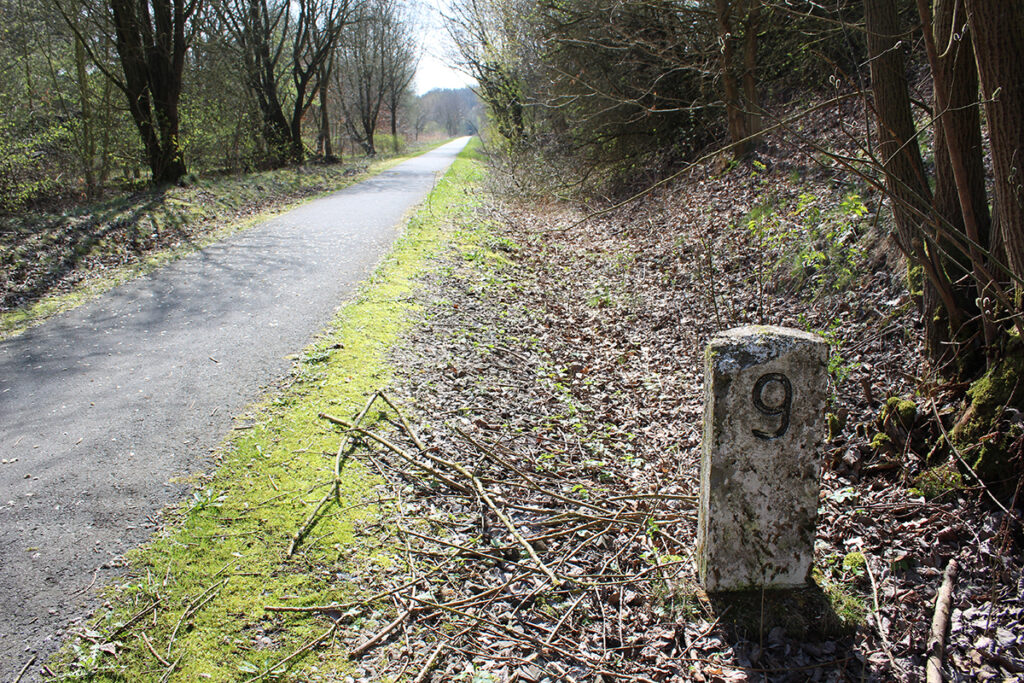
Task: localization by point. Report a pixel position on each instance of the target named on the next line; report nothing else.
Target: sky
(435, 70)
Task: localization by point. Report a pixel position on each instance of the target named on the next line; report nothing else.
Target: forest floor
(530, 514)
(53, 258)
(560, 372)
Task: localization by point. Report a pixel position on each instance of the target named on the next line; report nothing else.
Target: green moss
(987, 444)
(839, 582)
(994, 390)
(901, 409)
(937, 481)
(221, 559)
(915, 280)
(836, 425)
(881, 442)
(854, 562)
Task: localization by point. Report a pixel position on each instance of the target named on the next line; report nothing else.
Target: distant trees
(497, 43)
(455, 112)
(96, 91)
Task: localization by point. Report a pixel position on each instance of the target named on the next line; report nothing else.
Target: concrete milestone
(765, 390)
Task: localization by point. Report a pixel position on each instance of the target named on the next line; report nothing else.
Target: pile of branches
(535, 573)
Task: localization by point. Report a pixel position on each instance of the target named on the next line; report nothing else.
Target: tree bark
(997, 28)
(88, 146)
(960, 202)
(324, 136)
(736, 118)
(151, 45)
(906, 183)
(751, 102)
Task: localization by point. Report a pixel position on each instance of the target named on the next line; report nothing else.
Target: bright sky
(434, 70)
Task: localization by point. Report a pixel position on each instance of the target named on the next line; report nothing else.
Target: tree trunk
(737, 120)
(324, 136)
(296, 150)
(997, 28)
(277, 134)
(88, 146)
(108, 118)
(751, 102)
(960, 201)
(394, 123)
(906, 183)
(150, 41)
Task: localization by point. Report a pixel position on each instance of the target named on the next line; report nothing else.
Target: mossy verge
(209, 207)
(988, 440)
(198, 592)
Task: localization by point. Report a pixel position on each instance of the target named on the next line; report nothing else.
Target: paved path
(101, 407)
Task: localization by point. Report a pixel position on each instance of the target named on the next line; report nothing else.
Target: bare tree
(401, 57)
(372, 60)
(279, 39)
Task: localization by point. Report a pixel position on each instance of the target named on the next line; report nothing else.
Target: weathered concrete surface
(104, 408)
(765, 390)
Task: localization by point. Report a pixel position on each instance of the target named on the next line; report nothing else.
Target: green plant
(937, 481)
(855, 563)
(808, 241)
(837, 577)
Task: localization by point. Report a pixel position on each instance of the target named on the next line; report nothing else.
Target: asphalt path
(102, 408)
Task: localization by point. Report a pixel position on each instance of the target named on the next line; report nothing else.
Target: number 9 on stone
(781, 410)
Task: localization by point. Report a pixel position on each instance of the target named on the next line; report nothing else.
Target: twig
(171, 668)
(878, 619)
(137, 617)
(25, 668)
(401, 453)
(197, 604)
(95, 573)
(474, 552)
(940, 621)
(572, 607)
(335, 491)
(431, 660)
(310, 521)
(339, 457)
(149, 646)
(585, 656)
(383, 633)
(301, 651)
(350, 605)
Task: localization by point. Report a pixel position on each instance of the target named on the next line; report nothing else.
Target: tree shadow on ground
(39, 255)
(788, 635)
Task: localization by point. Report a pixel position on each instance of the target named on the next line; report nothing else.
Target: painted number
(780, 410)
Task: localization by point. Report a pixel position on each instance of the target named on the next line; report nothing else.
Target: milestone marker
(764, 402)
